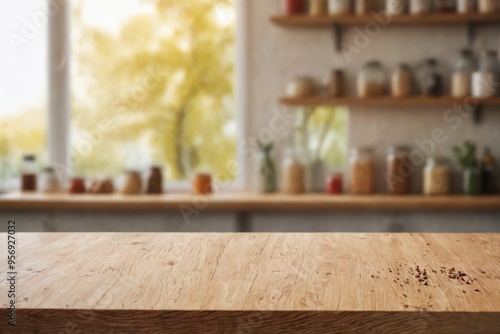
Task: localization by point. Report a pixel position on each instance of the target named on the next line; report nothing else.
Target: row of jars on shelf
(299, 177)
(395, 7)
(469, 78)
(48, 182)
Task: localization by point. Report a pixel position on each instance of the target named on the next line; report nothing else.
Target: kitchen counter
(247, 202)
(258, 283)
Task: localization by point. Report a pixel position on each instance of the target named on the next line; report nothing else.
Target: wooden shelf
(246, 202)
(349, 20)
(388, 101)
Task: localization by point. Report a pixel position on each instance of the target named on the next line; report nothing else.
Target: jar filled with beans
(362, 171)
(399, 170)
(437, 176)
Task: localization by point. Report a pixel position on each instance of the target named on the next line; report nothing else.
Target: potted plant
(466, 158)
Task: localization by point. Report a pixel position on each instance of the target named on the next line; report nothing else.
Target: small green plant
(466, 155)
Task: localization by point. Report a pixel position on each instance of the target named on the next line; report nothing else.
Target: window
(152, 83)
(23, 65)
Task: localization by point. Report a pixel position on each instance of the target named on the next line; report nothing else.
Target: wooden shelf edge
(305, 20)
(388, 101)
(247, 202)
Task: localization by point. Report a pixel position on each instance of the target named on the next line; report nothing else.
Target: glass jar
(396, 7)
(334, 184)
(340, 7)
(318, 7)
(419, 7)
(77, 186)
(402, 81)
(29, 171)
(202, 184)
(132, 184)
(488, 6)
(462, 74)
(399, 170)
(371, 80)
(446, 6)
(484, 80)
(365, 7)
(437, 176)
(102, 187)
(294, 174)
(430, 81)
(49, 183)
(266, 173)
(488, 169)
(155, 181)
(336, 84)
(466, 6)
(472, 181)
(294, 7)
(362, 172)
(301, 87)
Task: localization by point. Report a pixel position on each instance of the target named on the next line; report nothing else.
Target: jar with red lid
(294, 7)
(334, 184)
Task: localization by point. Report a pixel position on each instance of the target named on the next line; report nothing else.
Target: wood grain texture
(445, 101)
(254, 283)
(350, 20)
(188, 203)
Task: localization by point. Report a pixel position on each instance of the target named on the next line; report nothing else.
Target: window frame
(59, 101)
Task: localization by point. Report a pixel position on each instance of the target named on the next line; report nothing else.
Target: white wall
(277, 54)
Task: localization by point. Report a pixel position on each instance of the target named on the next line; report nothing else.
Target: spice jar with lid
(466, 6)
(29, 171)
(396, 7)
(155, 181)
(488, 6)
(336, 84)
(429, 79)
(371, 80)
(402, 81)
(318, 7)
(301, 87)
(437, 176)
(364, 7)
(294, 174)
(132, 184)
(49, 183)
(446, 6)
(484, 80)
(420, 7)
(362, 171)
(294, 7)
(462, 74)
(340, 7)
(399, 170)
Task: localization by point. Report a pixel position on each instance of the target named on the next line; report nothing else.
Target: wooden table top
(217, 282)
(243, 201)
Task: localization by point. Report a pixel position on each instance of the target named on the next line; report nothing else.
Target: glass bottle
(266, 169)
(340, 7)
(461, 80)
(294, 174)
(362, 171)
(446, 6)
(437, 176)
(371, 80)
(336, 84)
(488, 173)
(402, 81)
(29, 171)
(484, 80)
(399, 170)
(419, 7)
(155, 181)
(430, 81)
